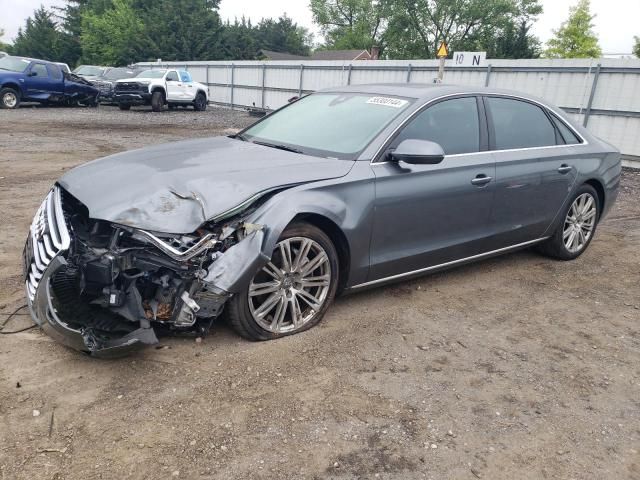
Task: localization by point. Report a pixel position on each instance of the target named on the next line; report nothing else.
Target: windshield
(14, 64)
(89, 71)
(119, 73)
(337, 125)
(151, 74)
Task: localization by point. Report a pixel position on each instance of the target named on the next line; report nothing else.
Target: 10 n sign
(469, 59)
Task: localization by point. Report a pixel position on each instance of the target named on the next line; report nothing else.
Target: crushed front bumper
(43, 256)
(44, 314)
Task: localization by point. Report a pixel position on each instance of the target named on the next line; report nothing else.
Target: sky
(616, 22)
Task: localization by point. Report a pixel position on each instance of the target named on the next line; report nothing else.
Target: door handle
(564, 168)
(481, 180)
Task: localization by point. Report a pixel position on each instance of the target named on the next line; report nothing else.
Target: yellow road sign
(443, 51)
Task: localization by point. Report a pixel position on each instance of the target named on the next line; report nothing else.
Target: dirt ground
(515, 368)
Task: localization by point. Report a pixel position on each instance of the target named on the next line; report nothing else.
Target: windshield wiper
(278, 146)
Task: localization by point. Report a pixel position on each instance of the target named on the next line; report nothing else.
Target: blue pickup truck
(29, 80)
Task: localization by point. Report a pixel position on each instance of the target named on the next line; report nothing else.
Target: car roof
(48, 62)
(29, 59)
(426, 91)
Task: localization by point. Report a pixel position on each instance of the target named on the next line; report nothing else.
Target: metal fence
(603, 94)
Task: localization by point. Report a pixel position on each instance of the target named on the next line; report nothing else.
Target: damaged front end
(107, 289)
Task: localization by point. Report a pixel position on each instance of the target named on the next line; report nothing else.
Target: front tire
(574, 234)
(9, 98)
(157, 101)
(293, 291)
(200, 102)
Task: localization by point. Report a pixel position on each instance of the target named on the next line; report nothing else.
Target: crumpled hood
(175, 187)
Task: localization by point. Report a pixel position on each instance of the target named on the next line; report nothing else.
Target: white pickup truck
(159, 88)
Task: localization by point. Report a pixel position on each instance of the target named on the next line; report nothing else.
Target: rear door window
(519, 124)
(55, 72)
(453, 124)
(185, 76)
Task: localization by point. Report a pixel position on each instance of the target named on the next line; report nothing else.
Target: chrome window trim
(446, 264)
(475, 94)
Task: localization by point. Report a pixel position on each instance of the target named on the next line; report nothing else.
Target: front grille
(48, 237)
(128, 87)
(105, 88)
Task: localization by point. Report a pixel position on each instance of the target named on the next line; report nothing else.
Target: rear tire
(157, 101)
(299, 297)
(9, 98)
(200, 102)
(124, 106)
(575, 231)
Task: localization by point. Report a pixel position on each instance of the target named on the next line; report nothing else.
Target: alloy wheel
(579, 223)
(292, 288)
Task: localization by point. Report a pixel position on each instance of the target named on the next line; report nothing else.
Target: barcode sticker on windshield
(388, 102)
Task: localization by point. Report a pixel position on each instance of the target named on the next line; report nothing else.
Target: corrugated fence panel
(274, 99)
(283, 77)
(623, 132)
(359, 77)
(622, 92)
(613, 113)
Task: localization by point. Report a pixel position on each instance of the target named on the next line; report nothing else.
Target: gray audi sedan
(341, 190)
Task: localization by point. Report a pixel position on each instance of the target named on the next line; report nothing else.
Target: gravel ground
(516, 367)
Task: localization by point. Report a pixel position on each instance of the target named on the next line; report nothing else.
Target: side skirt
(444, 266)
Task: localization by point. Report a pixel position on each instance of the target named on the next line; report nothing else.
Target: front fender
(280, 211)
(347, 202)
(235, 269)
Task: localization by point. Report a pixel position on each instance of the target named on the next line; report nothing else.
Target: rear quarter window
(566, 133)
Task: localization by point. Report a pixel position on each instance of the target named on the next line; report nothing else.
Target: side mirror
(418, 152)
(33, 74)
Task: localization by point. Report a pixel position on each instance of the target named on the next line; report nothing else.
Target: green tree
(114, 36)
(350, 24)
(282, 35)
(40, 38)
(181, 29)
(636, 47)
(69, 19)
(238, 41)
(512, 37)
(125, 31)
(575, 38)
(417, 27)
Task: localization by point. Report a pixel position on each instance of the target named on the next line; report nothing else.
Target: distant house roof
(341, 55)
(270, 55)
